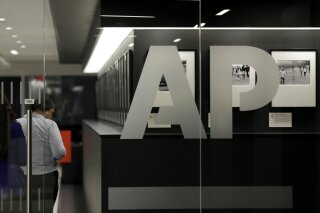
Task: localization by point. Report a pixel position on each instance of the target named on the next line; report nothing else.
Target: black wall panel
(305, 119)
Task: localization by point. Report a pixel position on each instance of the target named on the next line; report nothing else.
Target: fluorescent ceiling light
(8, 28)
(14, 36)
(264, 28)
(177, 40)
(2, 19)
(223, 12)
(225, 28)
(157, 28)
(125, 16)
(18, 42)
(23, 46)
(14, 52)
(107, 43)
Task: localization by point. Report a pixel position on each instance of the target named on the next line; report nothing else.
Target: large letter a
(163, 60)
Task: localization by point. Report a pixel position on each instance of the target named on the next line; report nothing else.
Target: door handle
(29, 160)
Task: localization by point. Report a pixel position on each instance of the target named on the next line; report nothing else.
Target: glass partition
(249, 67)
(269, 162)
(159, 106)
(22, 53)
(147, 56)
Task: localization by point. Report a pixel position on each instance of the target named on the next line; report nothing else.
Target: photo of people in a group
(240, 74)
(294, 71)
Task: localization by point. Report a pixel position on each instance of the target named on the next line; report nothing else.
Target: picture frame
(297, 77)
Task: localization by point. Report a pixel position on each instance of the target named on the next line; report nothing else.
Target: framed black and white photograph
(243, 80)
(294, 72)
(297, 78)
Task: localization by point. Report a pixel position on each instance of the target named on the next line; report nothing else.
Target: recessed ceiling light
(131, 45)
(18, 42)
(14, 52)
(202, 25)
(177, 40)
(14, 36)
(8, 28)
(223, 12)
(23, 46)
(2, 19)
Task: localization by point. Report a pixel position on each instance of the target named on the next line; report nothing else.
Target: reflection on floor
(72, 199)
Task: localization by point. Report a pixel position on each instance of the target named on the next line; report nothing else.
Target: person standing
(293, 73)
(246, 68)
(301, 71)
(47, 148)
(283, 73)
(304, 72)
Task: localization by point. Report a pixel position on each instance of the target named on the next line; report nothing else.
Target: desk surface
(109, 129)
(104, 128)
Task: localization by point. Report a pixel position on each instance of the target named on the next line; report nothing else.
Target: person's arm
(21, 151)
(55, 141)
(17, 151)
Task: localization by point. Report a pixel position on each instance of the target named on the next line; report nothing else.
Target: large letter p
(221, 60)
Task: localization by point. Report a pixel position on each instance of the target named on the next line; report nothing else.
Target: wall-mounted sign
(280, 120)
(28, 101)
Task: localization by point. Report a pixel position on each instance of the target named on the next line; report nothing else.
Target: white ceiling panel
(31, 21)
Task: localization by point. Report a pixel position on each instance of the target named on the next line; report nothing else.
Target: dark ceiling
(184, 13)
(73, 22)
(76, 20)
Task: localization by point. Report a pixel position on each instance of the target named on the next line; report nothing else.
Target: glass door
(26, 156)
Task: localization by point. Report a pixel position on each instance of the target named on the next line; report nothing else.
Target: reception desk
(165, 172)
(155, 162)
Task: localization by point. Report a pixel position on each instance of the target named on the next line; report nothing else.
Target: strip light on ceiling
(107, 43)
(223, 12)
(264, 28)
(125, 16)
